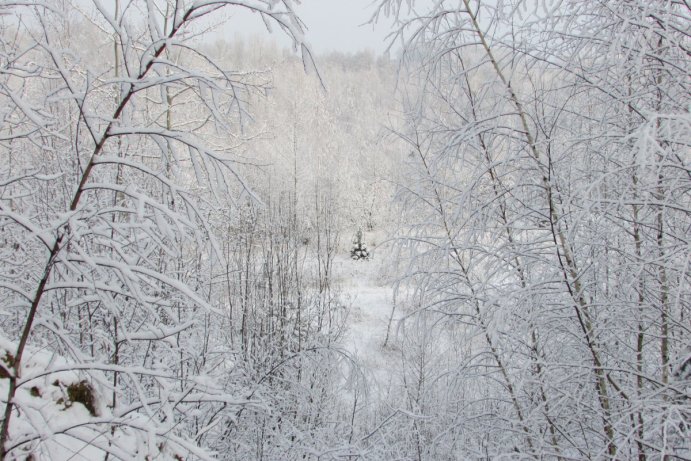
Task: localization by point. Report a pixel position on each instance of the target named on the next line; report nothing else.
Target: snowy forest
(476, 245)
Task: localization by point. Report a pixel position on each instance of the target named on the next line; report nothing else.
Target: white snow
(50, 426)
(371, 301)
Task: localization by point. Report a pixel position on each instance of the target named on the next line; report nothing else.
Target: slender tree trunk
(458, 259)
(562, 246)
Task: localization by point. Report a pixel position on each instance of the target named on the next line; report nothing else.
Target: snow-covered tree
(115, 153)
(359, 249)
(546, 207)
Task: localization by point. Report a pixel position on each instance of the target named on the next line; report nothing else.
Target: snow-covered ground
(63, 414)
(370, 300)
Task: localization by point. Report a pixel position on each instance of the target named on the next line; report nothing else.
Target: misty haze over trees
(476, 247)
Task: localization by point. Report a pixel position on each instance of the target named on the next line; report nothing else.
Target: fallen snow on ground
(62, 414)
(370, 301)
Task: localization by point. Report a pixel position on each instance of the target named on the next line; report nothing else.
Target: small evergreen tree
(359, 250)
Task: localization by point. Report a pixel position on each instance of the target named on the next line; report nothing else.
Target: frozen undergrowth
(62, 414)
(370, 298)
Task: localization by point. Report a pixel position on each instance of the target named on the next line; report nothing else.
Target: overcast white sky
(333, 25)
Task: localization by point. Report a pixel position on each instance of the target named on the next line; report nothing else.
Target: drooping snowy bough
(117, 143)
(547, 202)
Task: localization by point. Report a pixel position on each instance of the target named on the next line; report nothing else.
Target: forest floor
(369, 299)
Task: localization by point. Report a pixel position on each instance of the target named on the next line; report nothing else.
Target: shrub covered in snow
(60, 413)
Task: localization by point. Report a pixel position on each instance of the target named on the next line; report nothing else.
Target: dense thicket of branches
(172, 212)
(547, 202)
(151, 244)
